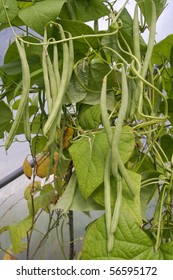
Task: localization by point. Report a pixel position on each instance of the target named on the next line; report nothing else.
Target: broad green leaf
(84, 10)
(24, 4)
(89, 116)
(12, 54)
(5, 113)
(8, 7)
(130, 214)
(131, 243)
(166, 142)
(78, 203)
(94, 99)
(97, 71)
(18, 231)
(41, 13)
(98, 194)
(162, 50)
(14, 22)
(37, 124)
(12, 68)
(38, 144)
(77, 28)
(145, 6)
(131, 205)
(75, 92)
(94, 149)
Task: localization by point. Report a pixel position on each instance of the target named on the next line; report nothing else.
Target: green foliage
(40, 14)
(94, 149)
(96, 110)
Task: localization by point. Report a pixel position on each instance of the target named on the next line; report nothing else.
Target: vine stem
(71, 235)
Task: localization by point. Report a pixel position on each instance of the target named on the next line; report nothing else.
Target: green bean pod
(116, 213)
(56, 65)
(26, 123)
(107, 199)
(46, 75)
(150, 41)
(52, 79)
(119, 124)
(104, 113)
(136, 39)
(25, 93)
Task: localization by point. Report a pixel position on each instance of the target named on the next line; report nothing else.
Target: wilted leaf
(43, 164)
(27, 169)
(42, 201)
(42, 167)
(33, 188)
(68, 136)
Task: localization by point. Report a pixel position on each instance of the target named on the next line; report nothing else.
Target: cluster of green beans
(139, 68)
(55, 82)
(140, 72)
(23, 105)
(114, 164)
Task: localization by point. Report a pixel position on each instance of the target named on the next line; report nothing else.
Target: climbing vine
(95, 109)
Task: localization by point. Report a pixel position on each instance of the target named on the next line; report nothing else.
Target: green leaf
(12, 54)
(5, 113)
(18, 231)
(166, 142)
(24, 4)
(94, 149)
(94, 99)
(43, 200)
(131, 243)
(78, 203)
(98, 194)
(38, 144)
(39, 14)
(127, 232)
(8, 10)
(12, 68)
(74, 92)
(77, 28)
(145, 6)
(84, 10)
(97, 71)
(89, 116)
(162, 50)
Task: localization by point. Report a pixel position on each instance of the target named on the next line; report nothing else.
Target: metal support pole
(14, 175)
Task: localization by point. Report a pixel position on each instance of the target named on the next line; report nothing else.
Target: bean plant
(95, 107)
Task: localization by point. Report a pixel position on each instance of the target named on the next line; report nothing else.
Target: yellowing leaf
(43, 162)
(68, 135)
(27, 169)
(56, 162)
(42, 168)
(32, 189)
